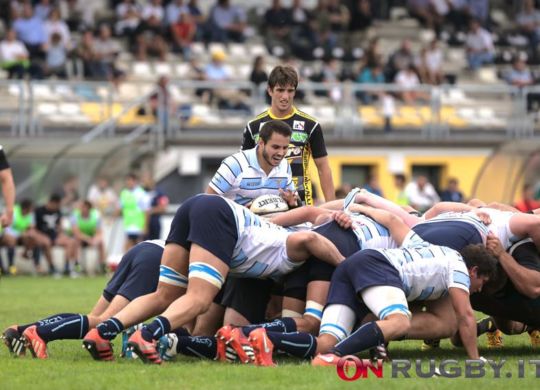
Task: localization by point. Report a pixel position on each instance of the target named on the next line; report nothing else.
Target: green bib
(21, 222)
(87, 225)
(132, 214)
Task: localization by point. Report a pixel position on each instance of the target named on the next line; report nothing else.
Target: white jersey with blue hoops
(241, 178)
(427, 270)
(260, 251)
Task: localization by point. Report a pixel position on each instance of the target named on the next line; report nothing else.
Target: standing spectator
(421, 194)
(183, 33)
(128, 19)
(307, 137)
(226, 22)
(479, 46)
(452, 192)
(527, 202)
(87, 230)
(158, 206)
(134, 204)
(14, 56)
(55, 25)
(31, 31)
(103, 197)
(8, 190)
(173, 11)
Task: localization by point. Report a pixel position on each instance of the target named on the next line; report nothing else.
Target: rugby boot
(34, 343)
(494, 339)
(97, 346)
(14, 341)
(145, 350)
(262, 347)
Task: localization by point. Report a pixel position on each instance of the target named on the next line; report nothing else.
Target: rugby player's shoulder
(262, 115)
(306, 116)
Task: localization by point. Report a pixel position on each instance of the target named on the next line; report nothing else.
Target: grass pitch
(26, 299)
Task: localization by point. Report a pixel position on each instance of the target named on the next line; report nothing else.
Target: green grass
(24, 299)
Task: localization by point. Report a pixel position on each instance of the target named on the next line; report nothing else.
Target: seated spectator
(258, 74)
(452, 192)
(150, 37)
(401, 59)
(13, 56)
(173, 11)
(421, 194)
(330, 74)
(226, 22)
(86, 225)
(361, 19)
(277, 24)
(458, 14)
(431, 61)
(93, 68)
(322, 27)
(370, 75)
(55, 25)
(373, 55)
(183, 32)
(103, 196)
(55, 63)
(479, 10)
(128, 18)
(528, 21)
(78, 14)
(339, 17)
(424, 12)
(106, 49)
(198, 17)
(408, 80)
(303, 34)
(527, 202)
(31, 31)
(479, 46)
(521, 76)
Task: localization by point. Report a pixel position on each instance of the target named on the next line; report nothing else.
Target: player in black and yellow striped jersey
(307, 138)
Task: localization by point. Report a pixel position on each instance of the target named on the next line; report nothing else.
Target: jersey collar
(294, 111)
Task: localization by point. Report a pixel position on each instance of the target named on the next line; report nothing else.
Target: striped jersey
(306, 141)
(427, 270)
(241, 178)
(260, 251)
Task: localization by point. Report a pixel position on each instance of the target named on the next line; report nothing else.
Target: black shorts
(364, 269)
(512, 306)
(208, 221)
(453, 234)
(248, 297)
(137, 274)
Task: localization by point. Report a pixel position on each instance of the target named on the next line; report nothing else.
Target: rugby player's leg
(438, 321)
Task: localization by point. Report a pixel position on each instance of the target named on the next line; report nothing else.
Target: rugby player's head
(26, 205)
(274, 139)
(274, 126)
(283, 76)
(86, 206)
(54, 202)
(482, 265)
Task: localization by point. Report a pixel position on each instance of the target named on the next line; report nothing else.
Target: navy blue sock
(11, 256)
(157, 328)
(74, 327)
(180, 332)
(198, 346)
(299, 344)
(367, 336)
(46, 321)
(283, 325)
(110, 328)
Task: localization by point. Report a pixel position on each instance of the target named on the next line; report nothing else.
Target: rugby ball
(267, 204)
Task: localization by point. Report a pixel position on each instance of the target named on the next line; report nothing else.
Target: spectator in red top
(183, 33)
(527, 202)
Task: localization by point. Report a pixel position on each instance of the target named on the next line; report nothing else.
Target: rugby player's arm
(502, 207)
(444, 207)
(8, 191)
(300, 215)
(398, 229)
(466, 321)
(210, 190)
(325, 178)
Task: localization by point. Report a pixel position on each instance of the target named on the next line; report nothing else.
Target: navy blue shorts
(316, 270)
(364, 269)
(137, 274)
(248, 297)
(208, 221)
(453, 234)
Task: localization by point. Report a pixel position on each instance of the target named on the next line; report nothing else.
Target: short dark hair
(283, 75)
(477, 255)
(274, 126)
(26, 204)
(55, 198)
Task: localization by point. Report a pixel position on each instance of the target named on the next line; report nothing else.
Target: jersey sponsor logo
(294, 152)
(250, 183)
(299, 125)
(297, 136)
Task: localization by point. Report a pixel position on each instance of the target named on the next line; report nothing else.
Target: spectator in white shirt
(421, 194)
(432, 63)
(173, 11)
(13, 56)
(128, 15)
(528, 21)
(408, 80)
(55, 25)
(479, 46)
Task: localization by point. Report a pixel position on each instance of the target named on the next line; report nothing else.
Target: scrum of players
(346, 277)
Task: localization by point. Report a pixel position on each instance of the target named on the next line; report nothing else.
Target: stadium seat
(238, 50)
(69, 108)
(182, 70)
(162, 69)
(142, 70)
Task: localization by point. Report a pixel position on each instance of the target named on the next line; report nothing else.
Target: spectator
(173, 11)
(361, 18)
(408, 81)
(258, 74)
(14, 56)
(106, 50)
(78, 14)
(399, 184)
(339, 16)
(521, 76)
(452, 192)
(134, 204)
(458, 14)
(370, 75)
(69, 193)
(373, 55)
(303, 34)
(424, 12)
(527, 202)
(158, 206)
(479, 10)
(343, 190)
(183, 32)
(277, 24)
(330, 75)
(528, 21)
(31, 31)
(400, 60)
(198, 17)
(103, 197)
(87, 229)
(128, 15)
(226, 22)
(55, 25)
(372, 185)
(421, 194)
(325, 37)
(93, 68)
(479, 46)
(431, 64)
(55, 63)
(149, 40)
(43, 9)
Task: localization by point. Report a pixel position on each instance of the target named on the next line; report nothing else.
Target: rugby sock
(485, 325)
(157, 328)
(299, 344)
(46, 321)
(367, 336)
(110, 328)
(11, 256)
(283, 325)
(198, 346)
(181, 332)
(74, 327)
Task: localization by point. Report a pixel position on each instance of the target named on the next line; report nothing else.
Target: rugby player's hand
(493, 244)
(343, 219)
(291, 197)
(483, 216)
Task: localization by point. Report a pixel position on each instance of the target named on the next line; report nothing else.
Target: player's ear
(473, 271)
